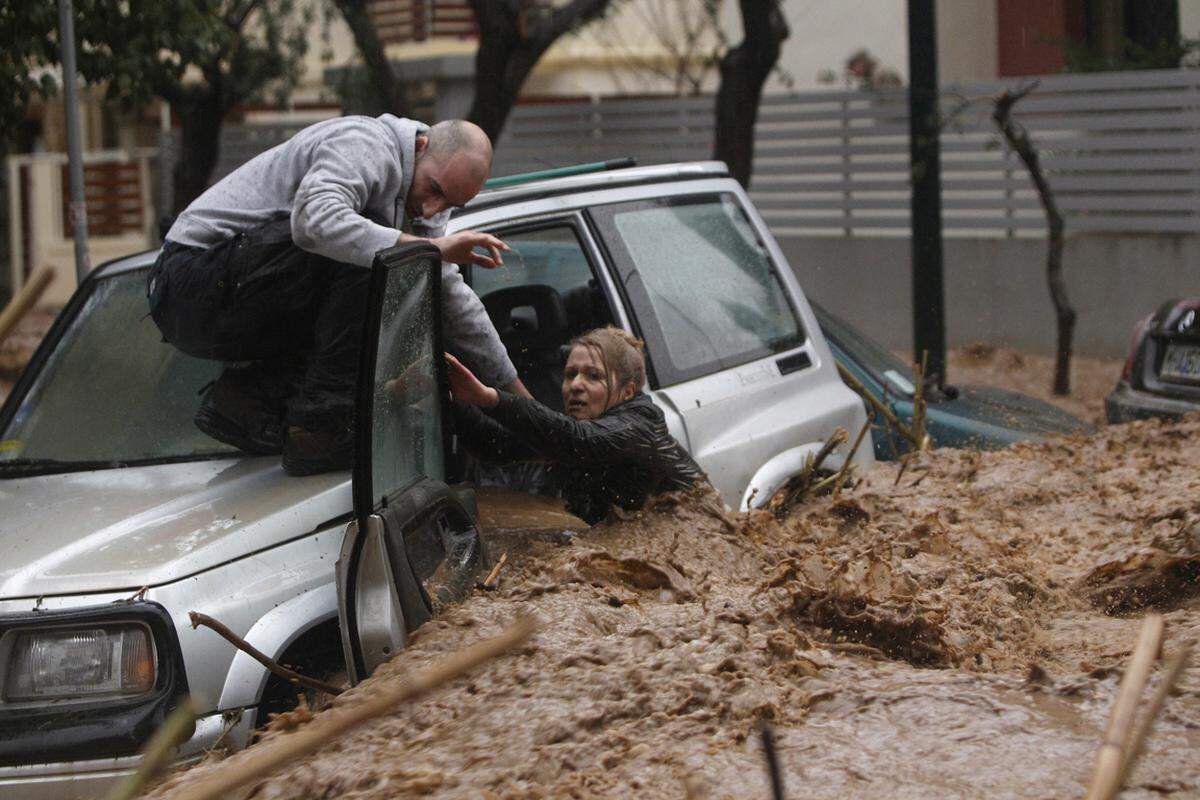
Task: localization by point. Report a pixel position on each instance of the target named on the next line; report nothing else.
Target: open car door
(414, 543)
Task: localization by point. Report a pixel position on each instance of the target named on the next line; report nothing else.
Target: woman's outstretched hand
(466, 388)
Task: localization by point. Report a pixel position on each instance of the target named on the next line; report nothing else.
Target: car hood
(1025, 416)
(117, 529)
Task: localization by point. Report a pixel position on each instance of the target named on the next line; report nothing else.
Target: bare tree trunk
(513, 36)
(744, 70)
(201, 113)
(499, 41)
(1018, 138)
(1110, 21)
(387, 90)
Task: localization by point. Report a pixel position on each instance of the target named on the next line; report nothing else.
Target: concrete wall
(996, 288)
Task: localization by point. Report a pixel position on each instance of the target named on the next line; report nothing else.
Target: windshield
(890, 372)
(112, 392)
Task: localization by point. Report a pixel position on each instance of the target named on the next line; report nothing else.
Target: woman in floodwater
(611, 447)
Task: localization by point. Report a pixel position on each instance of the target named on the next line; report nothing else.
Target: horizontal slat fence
(654, 130)
(1121, 152)
(114, 194)
(403, 21)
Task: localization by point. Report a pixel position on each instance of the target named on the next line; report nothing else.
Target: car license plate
(1182, 363)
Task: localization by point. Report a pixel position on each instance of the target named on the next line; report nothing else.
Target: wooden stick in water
(494, 576)
(774, 771)
(919, 405)
(1115, 747)
(291, 676)
(266, 757)
(1146, 724)
(174, 731)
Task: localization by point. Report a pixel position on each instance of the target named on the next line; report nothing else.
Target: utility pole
(66, 40)
(924, 125)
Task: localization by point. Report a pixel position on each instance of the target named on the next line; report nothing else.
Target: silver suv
(118, 517)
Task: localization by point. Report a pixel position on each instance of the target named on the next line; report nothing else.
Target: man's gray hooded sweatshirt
(345, 182)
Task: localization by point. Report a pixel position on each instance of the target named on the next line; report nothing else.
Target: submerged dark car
(1161, 377)
(969, 416)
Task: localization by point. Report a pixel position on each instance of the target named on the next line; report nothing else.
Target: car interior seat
(533, 325)
(586, 309)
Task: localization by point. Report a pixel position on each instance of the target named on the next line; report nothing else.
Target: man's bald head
(459, 136)
(454, 159)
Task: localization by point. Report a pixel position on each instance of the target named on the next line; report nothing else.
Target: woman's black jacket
(619, 458)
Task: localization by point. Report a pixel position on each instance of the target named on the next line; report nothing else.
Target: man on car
(270, 266)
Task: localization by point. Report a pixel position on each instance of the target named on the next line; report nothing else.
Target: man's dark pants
(258, 297)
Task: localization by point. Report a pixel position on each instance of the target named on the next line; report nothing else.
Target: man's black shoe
(309, 452)
(234, 410)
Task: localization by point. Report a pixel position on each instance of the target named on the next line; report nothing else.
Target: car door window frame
(363, 478)
(408, 530)
(629, 282)
(597, 257)
(572, 222)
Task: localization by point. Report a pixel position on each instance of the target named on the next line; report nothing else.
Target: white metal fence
(1121, 151)
(652, 130)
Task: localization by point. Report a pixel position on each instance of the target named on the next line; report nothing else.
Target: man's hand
(459, 248)
(466, 388)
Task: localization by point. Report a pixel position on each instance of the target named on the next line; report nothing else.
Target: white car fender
(772, 475)
(272, 634)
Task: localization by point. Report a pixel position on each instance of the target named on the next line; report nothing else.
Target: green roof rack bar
(559, 172)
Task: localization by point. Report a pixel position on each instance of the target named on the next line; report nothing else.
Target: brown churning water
(957, 635)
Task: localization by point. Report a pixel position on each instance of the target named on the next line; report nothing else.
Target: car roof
(658, 173)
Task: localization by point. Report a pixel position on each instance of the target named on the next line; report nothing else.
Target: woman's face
(585, 387)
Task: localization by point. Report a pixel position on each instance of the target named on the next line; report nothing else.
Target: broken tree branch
(266, 757)
(800, 484)
(856, 385)
(1018, 139)
(296, 678)
(847, 467)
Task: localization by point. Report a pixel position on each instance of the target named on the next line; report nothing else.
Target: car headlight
(80, 662)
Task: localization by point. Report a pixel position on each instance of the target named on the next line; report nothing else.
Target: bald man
(271, 266)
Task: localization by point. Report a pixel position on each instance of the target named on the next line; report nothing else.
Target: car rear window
(703, 285)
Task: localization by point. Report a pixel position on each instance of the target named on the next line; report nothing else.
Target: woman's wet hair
(621, 353)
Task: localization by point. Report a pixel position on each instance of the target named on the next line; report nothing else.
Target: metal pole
(66, 39)
(929, 328)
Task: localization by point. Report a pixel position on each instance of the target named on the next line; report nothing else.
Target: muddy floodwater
(958, 633)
